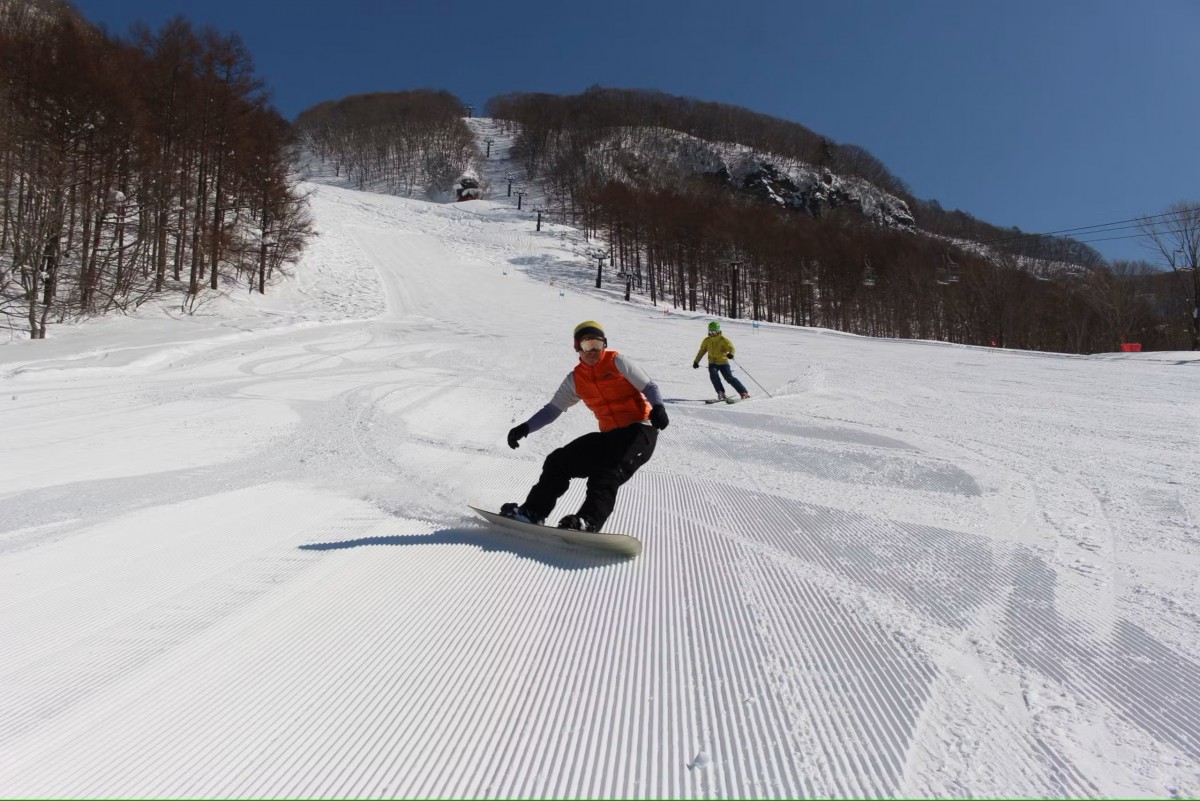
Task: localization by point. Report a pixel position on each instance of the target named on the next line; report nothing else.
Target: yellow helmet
(589, 328)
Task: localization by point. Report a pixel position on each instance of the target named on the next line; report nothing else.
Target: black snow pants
(607, 459)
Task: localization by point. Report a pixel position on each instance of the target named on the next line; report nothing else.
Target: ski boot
(517, 512)
(575, 523)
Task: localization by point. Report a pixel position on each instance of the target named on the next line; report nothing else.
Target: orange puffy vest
(615, 402)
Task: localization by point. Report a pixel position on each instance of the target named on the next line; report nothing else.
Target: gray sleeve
(637, 376)
(543, 417)
(652, 394)
(564, 398)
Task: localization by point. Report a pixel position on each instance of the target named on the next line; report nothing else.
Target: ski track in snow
(238, 563)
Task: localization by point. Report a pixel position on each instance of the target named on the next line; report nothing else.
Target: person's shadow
(524, 546)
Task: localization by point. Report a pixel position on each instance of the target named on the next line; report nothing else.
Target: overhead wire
(1111, 238)
(1098, 228)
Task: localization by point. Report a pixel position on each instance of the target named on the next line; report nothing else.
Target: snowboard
(622, 544)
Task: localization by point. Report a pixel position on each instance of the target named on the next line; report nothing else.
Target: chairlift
(948, 272)
(869, 277)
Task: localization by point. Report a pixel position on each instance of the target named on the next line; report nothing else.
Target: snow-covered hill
(662, 157)
(235, 556)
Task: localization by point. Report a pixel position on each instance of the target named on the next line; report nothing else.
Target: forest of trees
(543, 117)
(556, 132)
(130, 168)
(698, 245)
(702, 252)
(392, 141)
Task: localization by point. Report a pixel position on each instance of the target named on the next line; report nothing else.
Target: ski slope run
(236, 558)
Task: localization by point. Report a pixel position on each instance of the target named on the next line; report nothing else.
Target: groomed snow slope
(236, 560)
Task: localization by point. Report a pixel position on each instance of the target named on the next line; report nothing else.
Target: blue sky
(1044, 115)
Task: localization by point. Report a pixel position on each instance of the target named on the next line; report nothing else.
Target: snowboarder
(629, 408)
(720, 351)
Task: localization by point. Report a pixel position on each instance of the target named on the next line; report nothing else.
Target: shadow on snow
(552, 554)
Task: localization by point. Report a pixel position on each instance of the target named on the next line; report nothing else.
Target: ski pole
(742, 367)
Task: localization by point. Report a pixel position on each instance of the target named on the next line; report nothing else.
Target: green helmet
(714, 327)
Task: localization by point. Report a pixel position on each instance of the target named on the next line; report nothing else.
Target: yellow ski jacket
(718, 347)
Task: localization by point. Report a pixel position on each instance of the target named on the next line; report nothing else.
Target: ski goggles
(591, 343)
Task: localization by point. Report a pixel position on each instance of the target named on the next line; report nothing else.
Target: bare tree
(1175, 235)
(1118, 293)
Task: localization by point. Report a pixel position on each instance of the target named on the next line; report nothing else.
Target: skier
(629, 408)
(720, 351)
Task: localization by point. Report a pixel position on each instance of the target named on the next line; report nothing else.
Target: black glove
(730, 355)
(516, 434)
(695, 365)
(658, 416)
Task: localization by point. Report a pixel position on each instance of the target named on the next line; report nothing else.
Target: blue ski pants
(715, 371)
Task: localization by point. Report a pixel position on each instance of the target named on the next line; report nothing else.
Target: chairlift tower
(733, 288)
(1192, 301)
